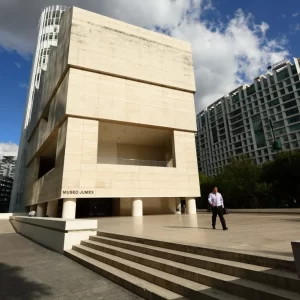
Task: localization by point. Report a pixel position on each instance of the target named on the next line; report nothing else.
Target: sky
(233, 41)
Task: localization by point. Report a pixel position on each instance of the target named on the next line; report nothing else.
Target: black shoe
(214, 227)
(225, 228)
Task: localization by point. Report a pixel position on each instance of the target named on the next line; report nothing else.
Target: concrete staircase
(163, 270)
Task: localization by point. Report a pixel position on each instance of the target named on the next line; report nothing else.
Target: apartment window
(278, 124)
(290, 104)
(283, 75)
(285, 138)
(292, 111)
(293, 119)
(293, 136)
(294, 127)
(288, 82)
(288, 97)
(274, 102)
(282, 92)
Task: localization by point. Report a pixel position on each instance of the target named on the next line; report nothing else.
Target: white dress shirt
(215, 199)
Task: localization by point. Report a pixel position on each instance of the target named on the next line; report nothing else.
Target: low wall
(6, 216)
(56, 234)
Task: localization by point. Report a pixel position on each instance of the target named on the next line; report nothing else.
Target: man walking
(216, 201)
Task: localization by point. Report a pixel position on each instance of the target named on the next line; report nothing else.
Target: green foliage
(240, 182)
(283, 176)
(245, 184)
(206, 185)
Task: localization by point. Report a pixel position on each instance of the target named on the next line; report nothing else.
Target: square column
(69, 209)
(137, 207)
(178, 206)
(52, 209)
(191, 206)
(41, 210)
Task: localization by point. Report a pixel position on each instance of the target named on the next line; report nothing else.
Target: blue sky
(283, 18)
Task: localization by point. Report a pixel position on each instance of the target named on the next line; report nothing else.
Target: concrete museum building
(113, 123)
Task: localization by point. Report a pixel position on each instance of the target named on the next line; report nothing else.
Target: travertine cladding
(110, 98)
(109, 71)
(100, 44)
(49, 186)
(114, 47)
(108, 180)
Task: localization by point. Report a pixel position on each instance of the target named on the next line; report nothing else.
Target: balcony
(136, 162)
(122, 144)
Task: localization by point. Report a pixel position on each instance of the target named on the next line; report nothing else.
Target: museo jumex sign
(78, 192)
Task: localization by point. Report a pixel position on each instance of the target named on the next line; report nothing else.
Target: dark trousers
(218, 210)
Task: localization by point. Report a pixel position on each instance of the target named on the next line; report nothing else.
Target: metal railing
(135, 162)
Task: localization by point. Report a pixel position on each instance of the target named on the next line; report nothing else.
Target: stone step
(269, 261)
(278, 278)
(230, 284)
(187, 288)
(132, 283)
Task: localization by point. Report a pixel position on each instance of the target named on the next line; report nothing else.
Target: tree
(206, 185)
(240, 183)
(283, 175)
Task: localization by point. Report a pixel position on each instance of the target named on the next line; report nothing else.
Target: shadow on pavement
(15, 286)
(208, 228)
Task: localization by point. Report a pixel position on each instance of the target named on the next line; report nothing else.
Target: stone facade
(114, 118)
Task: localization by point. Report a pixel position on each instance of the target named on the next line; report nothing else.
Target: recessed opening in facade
(97, 207)
(47, 158)
(135, 145)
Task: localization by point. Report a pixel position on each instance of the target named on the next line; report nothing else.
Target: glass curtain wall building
(241, 122)
(48, 30)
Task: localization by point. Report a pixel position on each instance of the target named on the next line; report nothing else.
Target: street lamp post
(276, 143)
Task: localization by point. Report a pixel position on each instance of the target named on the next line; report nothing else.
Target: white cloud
(297, 27)
(296, 14)
(23, 85)
(283, 16)
(17, 65)
(225, 54)
(8, 149)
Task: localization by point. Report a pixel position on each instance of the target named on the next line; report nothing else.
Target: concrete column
(178, 206)
(190, 206)
(41, 210)
(137, 207)
(52, 209)
(69, 209)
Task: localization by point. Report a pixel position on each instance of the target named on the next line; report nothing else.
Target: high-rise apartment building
(112, 130)
(7, 166)
(48, 30)
(243, 122)
(5, 191)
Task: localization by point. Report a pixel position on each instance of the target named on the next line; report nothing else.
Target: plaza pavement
(31, 272)
(260, 234)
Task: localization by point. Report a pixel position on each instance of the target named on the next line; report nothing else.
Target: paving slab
(260, 234)
(6, 227)
(31, 272)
